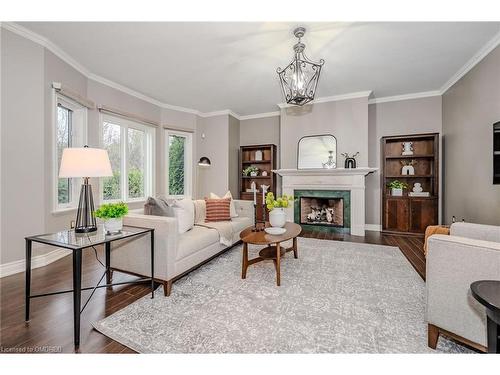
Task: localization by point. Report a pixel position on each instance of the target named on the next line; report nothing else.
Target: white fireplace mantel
(352, 180)
(325, 172)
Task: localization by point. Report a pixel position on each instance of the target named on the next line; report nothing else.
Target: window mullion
(124, 171)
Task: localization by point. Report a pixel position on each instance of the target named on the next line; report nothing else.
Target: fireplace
(323, 210)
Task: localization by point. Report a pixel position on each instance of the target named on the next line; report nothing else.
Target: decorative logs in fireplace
(322, 211)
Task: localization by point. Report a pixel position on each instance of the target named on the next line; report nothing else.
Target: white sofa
(175, 254)
(471, 252)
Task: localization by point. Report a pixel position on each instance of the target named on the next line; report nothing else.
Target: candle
(264, 189)
(254, 188)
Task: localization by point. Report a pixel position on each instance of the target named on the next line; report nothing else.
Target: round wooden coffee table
(273, 249)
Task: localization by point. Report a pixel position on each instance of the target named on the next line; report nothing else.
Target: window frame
(149, 157)
(188, 163)
(79, 129)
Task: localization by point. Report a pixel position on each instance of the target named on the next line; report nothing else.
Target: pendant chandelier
(300, 78)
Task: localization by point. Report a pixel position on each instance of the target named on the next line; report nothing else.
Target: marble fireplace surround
(352, 180)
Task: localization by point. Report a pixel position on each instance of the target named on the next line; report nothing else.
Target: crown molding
(397, 98)
(223, 112)
(260, 115)
(481, 54)
(325, 99)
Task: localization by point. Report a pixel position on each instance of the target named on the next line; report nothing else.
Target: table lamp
(85, 162)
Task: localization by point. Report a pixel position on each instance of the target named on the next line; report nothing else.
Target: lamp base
(85, 219)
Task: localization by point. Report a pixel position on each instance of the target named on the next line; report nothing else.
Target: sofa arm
(453, 263)
(244, 208)
(133, 254)
(476, 231)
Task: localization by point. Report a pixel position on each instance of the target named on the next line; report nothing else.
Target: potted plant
(252, 171)
(397, 187)
(112, 214)
(276, 207)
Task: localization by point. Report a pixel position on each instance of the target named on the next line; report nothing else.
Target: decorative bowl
(275, 231)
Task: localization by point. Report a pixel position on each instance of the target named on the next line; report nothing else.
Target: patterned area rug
(338, 297)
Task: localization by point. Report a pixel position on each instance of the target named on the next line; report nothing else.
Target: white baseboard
(17, 266)
(373, 227)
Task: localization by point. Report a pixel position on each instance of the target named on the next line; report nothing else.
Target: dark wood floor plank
(51, 317)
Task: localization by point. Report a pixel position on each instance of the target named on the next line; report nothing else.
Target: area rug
(338, 297)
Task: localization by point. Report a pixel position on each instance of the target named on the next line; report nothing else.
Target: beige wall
(347, 120)
(258, 131)
(395, 118)
(233, 156)
(470, 107)
(22, 137)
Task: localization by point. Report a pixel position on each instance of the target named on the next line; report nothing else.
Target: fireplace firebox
(323, 210)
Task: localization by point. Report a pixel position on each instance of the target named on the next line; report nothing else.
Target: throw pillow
(232, 206)
(158, 207)
(184, 212)
(218, 209)
(200, 211)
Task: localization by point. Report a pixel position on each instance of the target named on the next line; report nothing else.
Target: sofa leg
(432, 336)
(167, 287)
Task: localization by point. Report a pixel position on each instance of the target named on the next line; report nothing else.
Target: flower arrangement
(111, 211)
(250, 170)
(278, 202)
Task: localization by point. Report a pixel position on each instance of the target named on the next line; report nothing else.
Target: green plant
(396, 184)
(278, 202)
(112, 211)
(249, 170)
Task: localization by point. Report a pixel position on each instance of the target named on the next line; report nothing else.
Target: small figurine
(408, 168)
(407, 148)
(350, 161)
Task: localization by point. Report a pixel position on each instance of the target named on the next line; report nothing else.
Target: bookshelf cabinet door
(423, 212)
(396, 215)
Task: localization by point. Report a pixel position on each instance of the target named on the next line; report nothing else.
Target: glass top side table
(77, 242)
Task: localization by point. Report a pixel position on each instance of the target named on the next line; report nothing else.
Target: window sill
(64, 211)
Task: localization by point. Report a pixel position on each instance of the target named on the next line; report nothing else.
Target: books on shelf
(419, 194)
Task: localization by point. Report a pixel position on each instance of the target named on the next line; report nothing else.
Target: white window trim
(149, 165)
(75, 193)
(188, 163)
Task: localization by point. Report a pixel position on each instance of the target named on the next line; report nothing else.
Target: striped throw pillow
(218, 209)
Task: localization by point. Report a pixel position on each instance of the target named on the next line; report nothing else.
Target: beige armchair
(471, 252)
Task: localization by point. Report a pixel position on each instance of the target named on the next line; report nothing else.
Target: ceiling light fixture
(300, 78)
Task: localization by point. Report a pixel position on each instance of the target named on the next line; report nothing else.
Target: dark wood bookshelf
(268, 163)
(408, 214)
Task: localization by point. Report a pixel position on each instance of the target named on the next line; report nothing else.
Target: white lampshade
(85, 162)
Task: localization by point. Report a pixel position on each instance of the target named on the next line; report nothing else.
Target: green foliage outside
(63, 190)
(135, 183)
(396, 184)
(112, 211)
(279, 202)
(176, 166)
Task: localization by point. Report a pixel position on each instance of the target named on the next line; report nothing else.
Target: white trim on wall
(260, 115)
(36, 38)
(373, 227)
(18, 266)
(481, 54)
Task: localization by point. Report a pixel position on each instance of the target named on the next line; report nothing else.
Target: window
(130, 147)
(70, 131)
(179, 163)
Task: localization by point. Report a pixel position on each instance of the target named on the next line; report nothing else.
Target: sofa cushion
(200, 211)
(218, 209)
(195, 240)
(184, 212)
(157, 207)
(232, 207)
(240, 223)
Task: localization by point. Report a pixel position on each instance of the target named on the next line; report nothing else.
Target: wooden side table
(487, 293)
(273, 249)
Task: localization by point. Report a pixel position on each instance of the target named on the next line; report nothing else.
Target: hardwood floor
(51, 325)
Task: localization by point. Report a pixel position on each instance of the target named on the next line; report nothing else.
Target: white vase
(397, 192)
(112, 226)
(277, 217)
(253, 174)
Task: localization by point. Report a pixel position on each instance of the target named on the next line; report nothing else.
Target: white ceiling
(216, 66)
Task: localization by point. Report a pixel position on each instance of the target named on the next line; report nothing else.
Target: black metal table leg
(108, 262)
(493, 335)
(152, 263)
(77, 293)
(28, 280)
